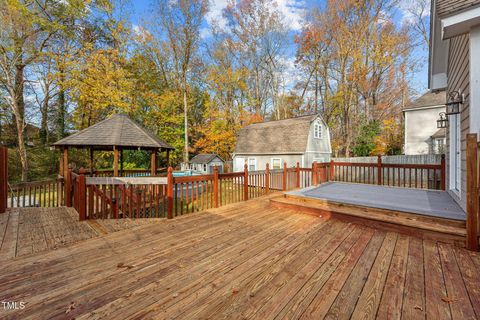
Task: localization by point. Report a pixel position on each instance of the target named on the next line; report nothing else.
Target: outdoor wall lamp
(442, 122)
(455, 99)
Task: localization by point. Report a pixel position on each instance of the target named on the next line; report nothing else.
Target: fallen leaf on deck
(123, 265)
(418, 308)
(448, 300)
(70, 307)
(234, 290)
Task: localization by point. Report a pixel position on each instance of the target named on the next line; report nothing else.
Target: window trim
(248, 163)
(317, 130)
(273, 165)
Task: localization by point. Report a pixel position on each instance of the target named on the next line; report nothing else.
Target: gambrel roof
(289, 136)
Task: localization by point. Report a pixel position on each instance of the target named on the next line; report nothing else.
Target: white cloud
(411, 9)
(290, 73)
(215, 13)
(140, 31)
(292, 10)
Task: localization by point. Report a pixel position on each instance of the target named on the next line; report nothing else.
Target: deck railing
(46, 193)
(473, 192)
(420, 176)
(98, 196)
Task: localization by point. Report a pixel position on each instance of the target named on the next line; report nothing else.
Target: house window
(317, 130)
(205, 167)
(252, 164)
(276, 163)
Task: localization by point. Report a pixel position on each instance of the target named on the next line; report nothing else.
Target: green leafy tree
(365, 141)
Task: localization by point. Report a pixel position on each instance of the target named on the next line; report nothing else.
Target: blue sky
(294, 11)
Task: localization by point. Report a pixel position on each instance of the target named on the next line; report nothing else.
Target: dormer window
(317, 130)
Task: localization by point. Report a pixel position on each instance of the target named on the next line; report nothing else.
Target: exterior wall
(458, 80)
(261, 160)
(319, 146)
(420, 125)
(305, 160)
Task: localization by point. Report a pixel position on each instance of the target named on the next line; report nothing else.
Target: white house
(302, 139)
(420, 119)
(455, 66)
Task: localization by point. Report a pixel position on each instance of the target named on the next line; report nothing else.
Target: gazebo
(115, 134)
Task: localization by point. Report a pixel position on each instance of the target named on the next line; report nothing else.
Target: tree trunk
(61, 109)
(44, 123)
(185, 113)
(19, 112)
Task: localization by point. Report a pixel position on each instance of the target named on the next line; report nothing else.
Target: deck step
(403, 222)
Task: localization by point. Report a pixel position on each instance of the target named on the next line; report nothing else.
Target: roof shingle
(275, 137)
(429, 99)
(119, 131)
(204, 158)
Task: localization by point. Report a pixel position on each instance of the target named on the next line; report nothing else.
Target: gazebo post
(91, 162)
(66, 178)
(153, 162)
(121, 162)
(61, 170)
(115, 161)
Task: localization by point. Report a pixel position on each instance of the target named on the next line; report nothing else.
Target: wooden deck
(25, 231)
(247, 260)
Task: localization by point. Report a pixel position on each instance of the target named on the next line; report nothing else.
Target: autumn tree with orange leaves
(357, 61)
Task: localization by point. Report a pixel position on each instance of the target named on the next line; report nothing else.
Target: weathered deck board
(247, 260)
(25, 231)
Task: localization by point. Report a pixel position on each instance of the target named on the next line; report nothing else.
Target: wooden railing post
(443, 173)
(284, 180)
(332, 171)
(68, 187)
(298, 175)
(314, 174)
(472, 192)
(245, 182)
(323, 169)
(379, 170)
(267, 178)
(90, 201)
(3, 179)
(170, 193)
(215, 186)
(82, 198)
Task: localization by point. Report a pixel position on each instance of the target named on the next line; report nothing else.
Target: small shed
(205, 162)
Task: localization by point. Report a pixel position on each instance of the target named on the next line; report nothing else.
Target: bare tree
(180, 22)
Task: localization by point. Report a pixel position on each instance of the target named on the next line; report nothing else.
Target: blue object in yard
(185, 173)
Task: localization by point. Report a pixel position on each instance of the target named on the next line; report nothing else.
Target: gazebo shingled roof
(116, 133)
(119, 131)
